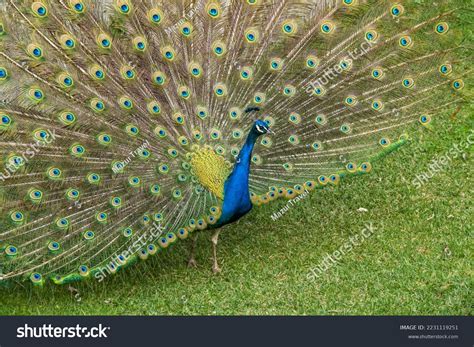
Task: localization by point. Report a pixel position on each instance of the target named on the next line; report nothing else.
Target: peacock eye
(155, 15)
(442, 28)
(397, 10)
(405, 41)
(289, 27)
(5, 121)
(39, 9)
(458, 84)
(252, 35)
(327, 27)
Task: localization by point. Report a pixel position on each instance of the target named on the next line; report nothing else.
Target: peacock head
(260, 127)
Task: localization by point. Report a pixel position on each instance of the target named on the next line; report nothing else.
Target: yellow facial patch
(211, 170)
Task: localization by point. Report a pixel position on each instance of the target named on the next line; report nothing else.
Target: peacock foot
(192, 263)
(216, 269)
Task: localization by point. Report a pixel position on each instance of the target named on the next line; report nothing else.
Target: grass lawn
(418, 261)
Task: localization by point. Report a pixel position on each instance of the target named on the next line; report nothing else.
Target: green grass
(417, 263)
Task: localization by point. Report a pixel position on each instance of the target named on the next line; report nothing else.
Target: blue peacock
(146, 122)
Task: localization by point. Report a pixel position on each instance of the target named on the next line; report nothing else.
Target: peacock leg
(192, 260)
(215, 267)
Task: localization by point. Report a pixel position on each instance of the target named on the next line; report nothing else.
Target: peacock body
(128, 125)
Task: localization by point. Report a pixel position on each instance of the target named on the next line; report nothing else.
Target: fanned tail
(352, 91)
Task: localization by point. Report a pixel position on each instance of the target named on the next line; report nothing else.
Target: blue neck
(245, 154)
(236, 188)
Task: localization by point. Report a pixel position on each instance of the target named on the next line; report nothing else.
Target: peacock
(127, 126)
